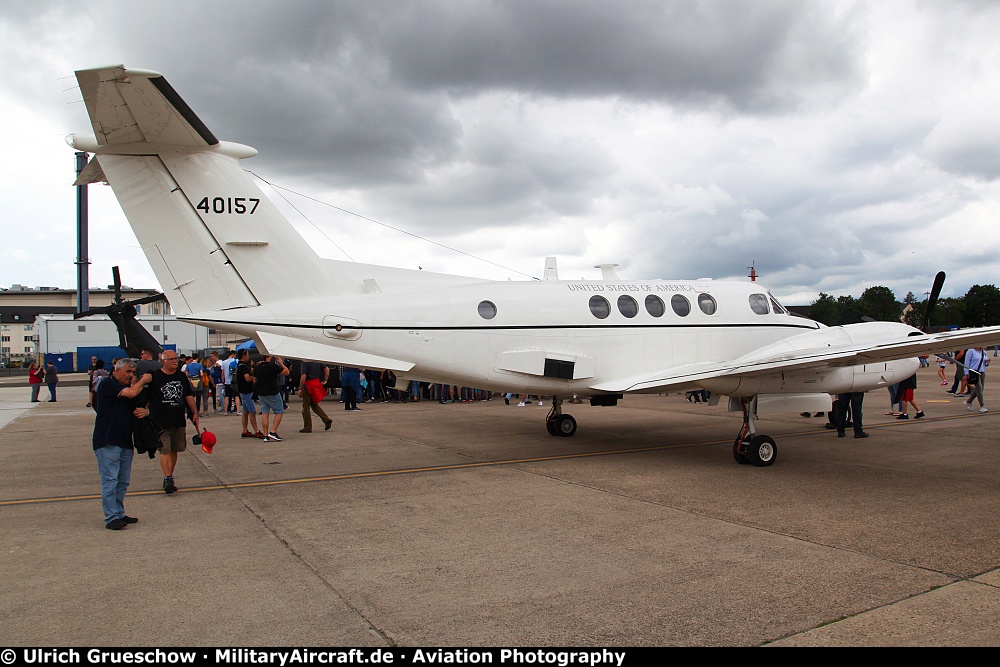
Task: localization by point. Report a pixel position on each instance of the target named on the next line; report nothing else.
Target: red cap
(208, 441)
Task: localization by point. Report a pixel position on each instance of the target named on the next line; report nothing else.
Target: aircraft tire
(550, 426)
(738, 454)
(762, 451)
(565, 426)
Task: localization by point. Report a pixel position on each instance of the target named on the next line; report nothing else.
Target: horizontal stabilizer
(295, 348)
(124, 111)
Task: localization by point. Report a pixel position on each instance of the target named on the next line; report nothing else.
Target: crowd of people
(145, 405)
(969, 381)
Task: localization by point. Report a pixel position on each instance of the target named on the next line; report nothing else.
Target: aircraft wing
(139, 106)
(296, 348)
(678, 378)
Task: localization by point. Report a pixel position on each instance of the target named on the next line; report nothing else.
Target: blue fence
(108, 353)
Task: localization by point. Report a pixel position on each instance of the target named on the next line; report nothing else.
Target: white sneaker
(521, 404)
(983, 409)
(969, 405)
(540, 403)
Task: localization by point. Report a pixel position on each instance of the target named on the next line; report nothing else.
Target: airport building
(38, 321)
(71, 343)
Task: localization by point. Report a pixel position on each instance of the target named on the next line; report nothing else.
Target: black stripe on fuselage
(510, 327)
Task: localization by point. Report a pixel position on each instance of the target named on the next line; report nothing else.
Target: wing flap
(295, 348)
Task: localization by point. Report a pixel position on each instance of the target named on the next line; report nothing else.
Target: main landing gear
(556, 423)
(749, 447)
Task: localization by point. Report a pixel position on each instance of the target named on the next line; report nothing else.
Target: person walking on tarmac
(313, 373)
(170, 397)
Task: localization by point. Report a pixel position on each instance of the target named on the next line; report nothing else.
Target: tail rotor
(132, 336)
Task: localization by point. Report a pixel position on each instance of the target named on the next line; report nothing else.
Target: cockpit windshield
(775, 306)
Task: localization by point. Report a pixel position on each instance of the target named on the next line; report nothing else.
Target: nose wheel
(750, 447)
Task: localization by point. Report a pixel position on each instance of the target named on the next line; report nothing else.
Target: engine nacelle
(828, 379)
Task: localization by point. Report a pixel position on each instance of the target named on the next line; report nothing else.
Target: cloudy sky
(835, 144)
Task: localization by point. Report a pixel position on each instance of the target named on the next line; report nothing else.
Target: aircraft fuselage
(554, 337)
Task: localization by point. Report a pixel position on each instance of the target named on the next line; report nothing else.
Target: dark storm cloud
(814, 138)
(362, 89)
(751, 56)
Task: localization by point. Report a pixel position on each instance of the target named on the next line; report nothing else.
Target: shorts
(907, 396)
(271, 404)
(247, 403)
(173, 440)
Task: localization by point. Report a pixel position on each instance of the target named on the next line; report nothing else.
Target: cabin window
(778, 308)
(758, 304)
(487, 310)
(707, 304)
(680, 304)
(627, 306)
(600, 307)
(654, 305)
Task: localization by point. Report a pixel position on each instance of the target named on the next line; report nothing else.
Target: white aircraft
(226, 258)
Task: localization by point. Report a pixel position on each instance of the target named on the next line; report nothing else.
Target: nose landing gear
(749, 447)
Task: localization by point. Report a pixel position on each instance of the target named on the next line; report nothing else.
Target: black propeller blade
(932, 300)
(132, 336)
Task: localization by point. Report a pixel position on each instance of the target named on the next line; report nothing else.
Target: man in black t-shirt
(245, 385)
(170, 397)
(267, 373)
(112, 439)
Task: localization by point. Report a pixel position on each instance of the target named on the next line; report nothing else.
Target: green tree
(915, 316)
(950, 311)
(849, 311)
(982, 306)
(879, 303)
(825, 309)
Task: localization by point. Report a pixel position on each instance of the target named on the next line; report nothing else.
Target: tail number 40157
(237, 205)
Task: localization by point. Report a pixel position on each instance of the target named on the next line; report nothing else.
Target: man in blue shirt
(976, 362)
(113, 439)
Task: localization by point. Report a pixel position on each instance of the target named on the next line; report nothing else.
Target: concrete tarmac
(467, 525)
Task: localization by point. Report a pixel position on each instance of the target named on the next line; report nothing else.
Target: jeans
(115, 466)
(52, 391)
(854, 399)
(34, 391)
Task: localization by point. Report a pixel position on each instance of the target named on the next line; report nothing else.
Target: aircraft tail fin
(212, 238)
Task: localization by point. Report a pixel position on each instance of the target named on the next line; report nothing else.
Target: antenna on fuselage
(551, 271)
(753, 271)
(607, 271)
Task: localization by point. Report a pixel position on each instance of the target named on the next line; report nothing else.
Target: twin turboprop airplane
(226, 258)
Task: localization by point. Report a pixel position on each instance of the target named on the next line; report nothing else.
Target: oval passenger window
(707, 304)
(600, 307)
(627, 306)
(654, 306)
(680, 304)
(487, 310)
